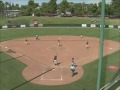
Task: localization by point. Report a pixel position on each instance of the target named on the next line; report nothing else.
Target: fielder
(55, 60)
(72, 68)
(26, 41)
(73, 62)
(59, 43)
(81, 35)
(87, 46)
(37, 37)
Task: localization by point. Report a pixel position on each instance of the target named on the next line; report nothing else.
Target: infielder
(59, 43)
(26, 41)
(37, 37)
(73, 62)
(55, 60)
(87, 46)
(81, 35)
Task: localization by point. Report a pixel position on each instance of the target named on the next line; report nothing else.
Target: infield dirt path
(38, 56)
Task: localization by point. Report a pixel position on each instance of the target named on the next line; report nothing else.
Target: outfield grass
(7, 34)
(58, 20)
(10, 71)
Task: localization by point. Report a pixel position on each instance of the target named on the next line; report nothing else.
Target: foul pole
(101, 45)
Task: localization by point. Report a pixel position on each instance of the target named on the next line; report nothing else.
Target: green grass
(7, 34)
(58, 20)
(10, 71)
(11, 76)
(114, 60)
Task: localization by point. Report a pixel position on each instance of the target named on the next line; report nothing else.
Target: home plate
(54, 75)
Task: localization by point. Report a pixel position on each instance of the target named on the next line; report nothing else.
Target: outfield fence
(59, 25)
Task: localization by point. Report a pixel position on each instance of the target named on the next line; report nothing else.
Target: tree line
(64, 8)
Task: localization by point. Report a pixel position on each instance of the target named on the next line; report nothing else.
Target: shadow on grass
(11, 59)
(31, 79)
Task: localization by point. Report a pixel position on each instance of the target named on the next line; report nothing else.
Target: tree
(94, 9)
(71, 7)
(63, 6)
(16, 7)
(109, 9)
(44, 9)
(24, 10)
(99, 8)
(1, 8)
(116, 6)
(31, 7)
(12, 6)
(78, 8)
(52, 6)
(84, 9)
(6, 7)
